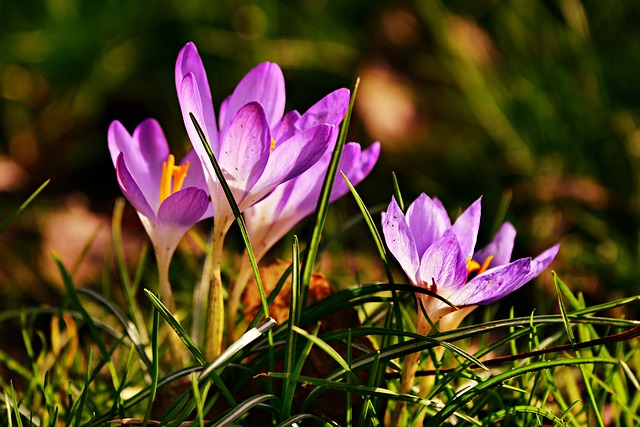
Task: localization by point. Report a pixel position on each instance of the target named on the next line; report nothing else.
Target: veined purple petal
(499, 248)
(443, 211)
(443, 265)
(191, 102)
(494, 284)
(427, 222)
(542, 261)
(286, 128)
(356, 165)
(263, 84)
(143, 154)
(291, 158)
(183, 208)
(400, 241)
(244, 149)
(466, 228)
(189, 62)
(131, 190)
(196, 177)
(330, 109)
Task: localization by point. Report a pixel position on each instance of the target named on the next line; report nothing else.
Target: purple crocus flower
(169, 198)
(257, 148)
(439, 256)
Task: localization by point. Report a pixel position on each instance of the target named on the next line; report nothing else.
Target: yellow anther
(474, 266)
(172, 174)
(273, 145)
(485, 264)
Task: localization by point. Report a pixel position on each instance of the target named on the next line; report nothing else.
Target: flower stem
(409, 368)
(215, 310)
(176, 351)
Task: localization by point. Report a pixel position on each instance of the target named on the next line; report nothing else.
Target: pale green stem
(200, 299)
(409, 368)
(176, 350)
(215, 309)
(448, 323)
(245, 273)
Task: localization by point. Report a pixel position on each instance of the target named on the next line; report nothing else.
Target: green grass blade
(322, 207)
(233, 416)
(155, 326)
(85, 390)
(496, 381)
(328, 350)
(16, 410)
(500, 415)
(129, 328)
(396, 191)
(382, 252)
(290, 344)
(129, 293)
(586, 381)
(177, 327)
(23, 206)
(298, 418)
(73, 295)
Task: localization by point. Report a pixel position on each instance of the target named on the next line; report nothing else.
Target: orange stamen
(273, 146)
(172, 174)
(474, 266)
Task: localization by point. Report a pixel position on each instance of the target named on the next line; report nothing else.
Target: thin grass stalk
(380, 246)
(155, 367)
(291, 341)
(132, 305)
(587, 383)
(322, 207)
(83, 395)
(23, 206)
(176, 327)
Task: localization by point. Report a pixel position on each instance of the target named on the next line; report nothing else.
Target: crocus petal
(466, 228)
(400, 240)
(494, 284)
(196, 177)
(499, 248)
(183, 208)
(427, 222)
(191, 102)
(443, 265)
(285, 129)
(443, 211)
(131, 189)
(189, 62)
(143, 153)
(356, 165)
(330, 109)
(291, 158)
(542, 261)
(244, 149)
(263, 84)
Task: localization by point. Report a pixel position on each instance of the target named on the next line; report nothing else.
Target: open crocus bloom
(169, 198)
(256, 147)
(439, 256)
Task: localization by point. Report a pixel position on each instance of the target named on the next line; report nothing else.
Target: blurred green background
(533, 104)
